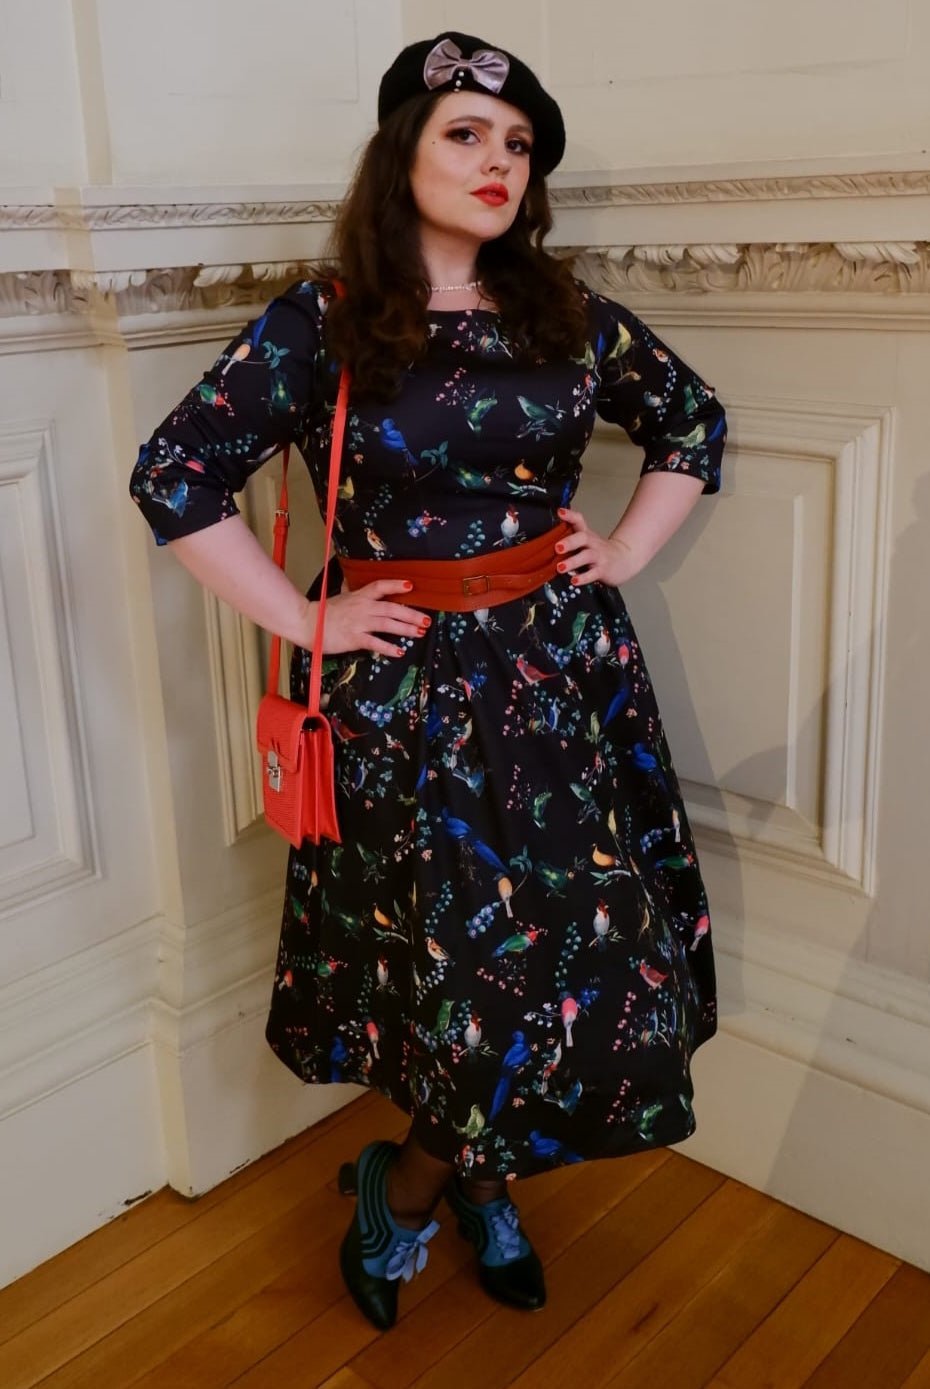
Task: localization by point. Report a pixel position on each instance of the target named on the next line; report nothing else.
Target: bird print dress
(512, 941)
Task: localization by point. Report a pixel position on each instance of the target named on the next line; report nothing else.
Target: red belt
(462, 585)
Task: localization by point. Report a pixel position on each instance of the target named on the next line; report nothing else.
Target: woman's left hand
(588, 556)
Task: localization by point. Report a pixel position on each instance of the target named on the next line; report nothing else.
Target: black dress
(512, 942)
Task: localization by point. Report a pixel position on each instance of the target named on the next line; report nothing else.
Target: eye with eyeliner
(522, 146)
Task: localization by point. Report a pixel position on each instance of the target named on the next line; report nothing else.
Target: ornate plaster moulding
(258, 212)
(880, 268)
(36, 292)
(879, 185)
(157, 216)
(184, 289)
(888, 282)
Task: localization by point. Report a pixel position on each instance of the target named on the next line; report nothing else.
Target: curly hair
(379, 328)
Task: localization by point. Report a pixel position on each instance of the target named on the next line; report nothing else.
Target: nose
(497, 159)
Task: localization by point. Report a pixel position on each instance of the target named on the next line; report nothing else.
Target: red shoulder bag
(295, 740)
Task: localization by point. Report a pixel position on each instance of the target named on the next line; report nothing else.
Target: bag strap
(282, 522)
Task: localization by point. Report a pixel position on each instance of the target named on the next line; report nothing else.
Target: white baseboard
(227, 1099)
(79, 1156)
(850, 1157)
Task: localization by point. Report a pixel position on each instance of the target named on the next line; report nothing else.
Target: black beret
(460, 62)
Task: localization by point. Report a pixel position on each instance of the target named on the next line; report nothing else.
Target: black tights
(415, 1181)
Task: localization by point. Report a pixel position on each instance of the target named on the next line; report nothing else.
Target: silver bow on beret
(488, 67)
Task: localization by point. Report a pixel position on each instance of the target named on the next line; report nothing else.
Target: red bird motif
(652, 976)
(530, 674)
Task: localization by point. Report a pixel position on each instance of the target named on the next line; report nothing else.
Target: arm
(229, 561)
(262, 392)
(660, 504)
(675, 416)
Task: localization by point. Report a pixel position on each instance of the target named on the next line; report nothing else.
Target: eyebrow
(488, 124)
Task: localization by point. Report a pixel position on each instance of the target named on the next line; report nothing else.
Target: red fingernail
(561, 566)
(559, 548)
(408, 585)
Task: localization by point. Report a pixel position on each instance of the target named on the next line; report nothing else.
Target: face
(471, 166)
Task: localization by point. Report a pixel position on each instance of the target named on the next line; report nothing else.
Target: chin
(491, 222)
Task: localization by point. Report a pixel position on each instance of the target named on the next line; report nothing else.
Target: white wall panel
(41, 137)
(226, 91)
(69, 636)
(47, 820)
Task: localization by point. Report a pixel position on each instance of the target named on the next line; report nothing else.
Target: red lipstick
(494, 194)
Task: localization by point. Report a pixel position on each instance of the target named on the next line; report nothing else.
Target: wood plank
(98, 1311)
(348, 1379)
(887, 1342)
(577, 1278)
(695, 1343)
(555, 1220)
(78, 1267)
(802, 1330)
(919, 1377)
(645, 1299)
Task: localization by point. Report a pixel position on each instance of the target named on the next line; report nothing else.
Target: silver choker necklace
(450, 289)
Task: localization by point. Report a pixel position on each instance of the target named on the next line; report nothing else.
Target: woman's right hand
(353, 619)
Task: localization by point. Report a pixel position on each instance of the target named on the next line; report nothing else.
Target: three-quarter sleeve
(260, 394)
(662, 404)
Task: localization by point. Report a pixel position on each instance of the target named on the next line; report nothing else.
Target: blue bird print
(516, 1056)
(644, 761)
(552, 1148)
(485, 852)
(176, 500)
(615, 705)
(395, 441)
(338, 1054)
(569, 1100)
(459, 829)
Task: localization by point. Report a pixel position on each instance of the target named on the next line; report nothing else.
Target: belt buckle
(469, 592)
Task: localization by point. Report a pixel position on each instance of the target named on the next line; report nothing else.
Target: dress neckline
(447, 313)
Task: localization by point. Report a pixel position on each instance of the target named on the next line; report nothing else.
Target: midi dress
(512, 942)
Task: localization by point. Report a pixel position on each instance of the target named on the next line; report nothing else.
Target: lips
(494, 194)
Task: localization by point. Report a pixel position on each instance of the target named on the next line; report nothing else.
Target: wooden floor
(662, 1274)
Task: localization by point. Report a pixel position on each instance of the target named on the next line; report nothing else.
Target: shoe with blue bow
(508, 1266)
(377, 1254)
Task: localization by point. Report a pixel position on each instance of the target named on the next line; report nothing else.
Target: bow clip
(488, 67)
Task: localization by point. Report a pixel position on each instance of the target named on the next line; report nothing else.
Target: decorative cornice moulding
(71, 216)
(36, 292)
(879, 185)
(876, 284)
(880, 268)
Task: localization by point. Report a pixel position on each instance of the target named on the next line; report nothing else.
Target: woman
(512, 940)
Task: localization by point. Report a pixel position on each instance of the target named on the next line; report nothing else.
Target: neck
(448, 259)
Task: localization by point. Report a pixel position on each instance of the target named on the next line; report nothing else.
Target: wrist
(304, 624)
(632, 551)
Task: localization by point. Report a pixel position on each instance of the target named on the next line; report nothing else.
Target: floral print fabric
(512, 941)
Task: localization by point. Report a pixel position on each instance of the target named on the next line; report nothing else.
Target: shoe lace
(506, 1226)
(410, 1255)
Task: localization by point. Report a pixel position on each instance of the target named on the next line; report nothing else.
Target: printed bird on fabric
(518, 943)
(515, 1058)
(531, 674)
(460, 829)
(475, 1123)
(476, 413)
(541, 420)
(551, 1148)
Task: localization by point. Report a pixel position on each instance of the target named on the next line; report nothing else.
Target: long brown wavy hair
(380, 327)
